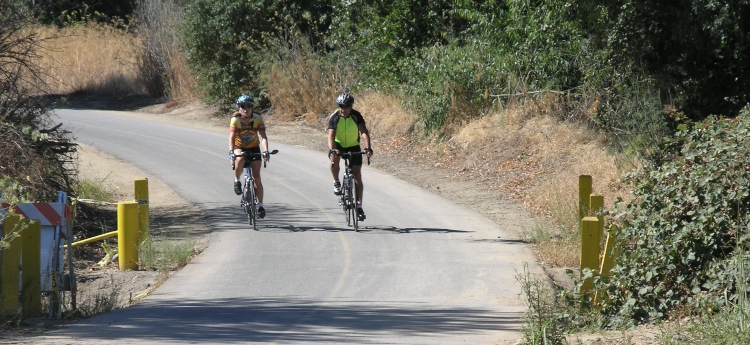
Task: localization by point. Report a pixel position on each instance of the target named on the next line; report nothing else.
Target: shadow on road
(276, 319)
(283, 218)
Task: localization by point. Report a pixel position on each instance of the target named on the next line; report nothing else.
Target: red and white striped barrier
(55, 220)
(47, 213)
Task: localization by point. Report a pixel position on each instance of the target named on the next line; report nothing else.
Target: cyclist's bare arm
(331, 140)
(365, 135)
(263, 142)
(232, 136)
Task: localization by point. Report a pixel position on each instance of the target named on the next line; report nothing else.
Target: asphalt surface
(422, 270)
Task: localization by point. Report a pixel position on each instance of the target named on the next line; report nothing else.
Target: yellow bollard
(127, 234)
(589, 249)
(9, 271)
(596, 202)
(31, 289)
(141, 197)
(584, 194)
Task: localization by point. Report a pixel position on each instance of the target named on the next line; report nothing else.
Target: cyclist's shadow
(283, 218)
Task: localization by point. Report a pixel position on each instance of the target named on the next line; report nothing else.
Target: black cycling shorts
(356, 160)
(250, 159)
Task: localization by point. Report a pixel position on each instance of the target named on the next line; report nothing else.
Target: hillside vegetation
(537, 92)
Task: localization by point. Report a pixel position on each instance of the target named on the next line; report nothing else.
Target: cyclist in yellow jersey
(247, 132)
(345, 128)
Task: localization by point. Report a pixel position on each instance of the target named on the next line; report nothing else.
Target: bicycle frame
(249, 198)
(348, 198)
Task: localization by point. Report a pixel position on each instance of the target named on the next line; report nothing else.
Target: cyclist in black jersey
(345, 128)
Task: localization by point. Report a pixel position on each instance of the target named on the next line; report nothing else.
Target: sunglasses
(246, 106)
(345, 106)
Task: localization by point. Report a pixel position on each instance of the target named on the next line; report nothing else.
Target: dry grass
(385, 116)
(182, 84)
(109, 60)
(93, 58)
(299, 87)
(539, 158)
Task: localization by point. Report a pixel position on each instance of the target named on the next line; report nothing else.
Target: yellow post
(9, 271)
(31, 289)
(141, 197)
(589, 249)
(584, 193)
(596, 202)
(127, 234)
(95, 238)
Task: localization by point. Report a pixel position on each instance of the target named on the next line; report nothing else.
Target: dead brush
(299, 87)
(531, 145)
(384, 115)
(93, 58)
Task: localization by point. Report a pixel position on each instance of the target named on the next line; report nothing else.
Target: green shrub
(228, 41)
(680, 233)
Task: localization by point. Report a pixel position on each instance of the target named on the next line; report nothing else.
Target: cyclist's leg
(359, 187)
(335, 167)
(256, 165)
(357, 170)
(239, 163)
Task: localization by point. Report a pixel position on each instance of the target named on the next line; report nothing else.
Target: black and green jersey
(347, 129)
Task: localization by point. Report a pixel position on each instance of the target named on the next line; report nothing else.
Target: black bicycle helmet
(244, 99)
(345, 99)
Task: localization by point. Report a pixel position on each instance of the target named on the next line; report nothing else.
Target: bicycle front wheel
(354, 215)
(348, 200)
(249, 196)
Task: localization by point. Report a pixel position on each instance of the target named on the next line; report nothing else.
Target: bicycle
(249, 200)
(348, 197)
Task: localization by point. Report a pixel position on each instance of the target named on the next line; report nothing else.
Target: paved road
(422, 271)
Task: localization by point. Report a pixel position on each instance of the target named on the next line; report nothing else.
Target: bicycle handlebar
(350, 155)
(255, 154)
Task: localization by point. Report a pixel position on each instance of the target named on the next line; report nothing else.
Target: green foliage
(467, 53)
(94, 190)
(228, 41)
(545, 311)
(543, 43)
(378, 34)
(163, 254)
(71, 12)
(450, 84)
(697, 51)
(625, 105)
(680, 233)
(730, 325)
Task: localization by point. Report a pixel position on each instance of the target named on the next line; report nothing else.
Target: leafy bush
(680, 234)
(624, 104)
(66, 12)
(228, 41)
(696, 51)
(448, 85)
